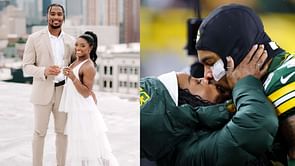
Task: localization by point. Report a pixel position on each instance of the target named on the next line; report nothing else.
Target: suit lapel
(47, 42)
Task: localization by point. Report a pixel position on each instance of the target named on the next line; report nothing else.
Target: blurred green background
(163, 29)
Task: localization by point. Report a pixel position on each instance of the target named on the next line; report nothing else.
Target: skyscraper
(33, 11)
(13, 21)
(62, 2)
(13, 2)
(102, 12)
(91, 12)
(45, 4)
(73, 7)
(131, 21)
(112, 12)
(3, 4)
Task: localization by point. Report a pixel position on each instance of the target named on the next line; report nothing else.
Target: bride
(85, 128)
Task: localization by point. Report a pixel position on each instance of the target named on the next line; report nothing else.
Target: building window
(131, 70)
(135, 84)
(121, 84)
(111, 70)
(125, 84)
(104, 84)
(97, 68)
(130, 84)
(125, 70)
(121, 70)
(111, 84)
(136, 71)
(105, 70)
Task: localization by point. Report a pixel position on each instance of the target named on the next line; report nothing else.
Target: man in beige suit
(45, 53)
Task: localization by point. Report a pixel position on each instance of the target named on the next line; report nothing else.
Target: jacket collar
(169, 80)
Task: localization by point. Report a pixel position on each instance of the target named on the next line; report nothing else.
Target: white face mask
(218, 70)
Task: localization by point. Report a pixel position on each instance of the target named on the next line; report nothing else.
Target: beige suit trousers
(41, 120)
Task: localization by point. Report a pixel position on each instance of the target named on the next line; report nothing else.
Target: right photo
(217, 83)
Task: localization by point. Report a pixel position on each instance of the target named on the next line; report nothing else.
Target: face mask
(218, 70)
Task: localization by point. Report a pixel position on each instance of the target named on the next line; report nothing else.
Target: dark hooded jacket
(232, 30)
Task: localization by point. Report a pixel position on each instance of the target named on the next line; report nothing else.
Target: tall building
(13, 22)
(112, 12)
(131, 21)
(62, 2)
(102, 12)
(91, 12)
(33, 11)
(73, 8)
(74, 11)
(3, 4)
(45, 4)
(13, 2)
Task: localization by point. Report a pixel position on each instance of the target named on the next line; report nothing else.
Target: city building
(131, 21)
(62, 2)
(91, 13)
(45, 4)
(118, 69)
(112, 12)
(73, 11)
(12, 22)
(12, 2)
(4, 4)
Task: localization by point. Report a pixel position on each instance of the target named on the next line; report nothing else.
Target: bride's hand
(68, 72)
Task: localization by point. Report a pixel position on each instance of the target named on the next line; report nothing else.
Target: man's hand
(252, 64)
(52, 70)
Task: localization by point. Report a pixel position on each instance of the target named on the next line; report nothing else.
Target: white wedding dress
(87, 141)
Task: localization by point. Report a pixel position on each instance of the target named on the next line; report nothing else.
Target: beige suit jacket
(37, 56)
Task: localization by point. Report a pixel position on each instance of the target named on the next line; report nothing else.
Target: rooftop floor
(16, 131)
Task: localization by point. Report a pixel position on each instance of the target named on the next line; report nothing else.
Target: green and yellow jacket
(280, 84)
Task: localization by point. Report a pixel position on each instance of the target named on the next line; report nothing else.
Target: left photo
(69, 79)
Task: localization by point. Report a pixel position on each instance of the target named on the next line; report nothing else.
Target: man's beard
(55, 27)
(51, 24)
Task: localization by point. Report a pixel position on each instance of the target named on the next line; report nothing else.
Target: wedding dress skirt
(87, 141)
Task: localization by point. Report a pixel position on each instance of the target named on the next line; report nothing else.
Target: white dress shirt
(57, 45)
